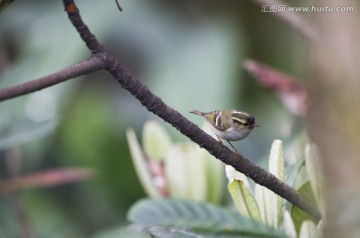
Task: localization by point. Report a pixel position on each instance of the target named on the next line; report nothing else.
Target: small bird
(229, 124)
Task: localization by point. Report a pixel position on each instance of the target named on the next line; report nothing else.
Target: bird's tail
(197, 113)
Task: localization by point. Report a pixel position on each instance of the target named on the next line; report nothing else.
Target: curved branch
(103, 60)
(93, 64)
(192, 131)
(187, 128)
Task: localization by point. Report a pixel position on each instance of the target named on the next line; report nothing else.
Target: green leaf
(277, 168)
(141, 165)
(241, 194)
(156, 140)
(232, 174)
(298, 215)
(175, 218)
(244, 199)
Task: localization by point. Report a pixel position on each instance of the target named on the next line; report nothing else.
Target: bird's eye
(251, 120)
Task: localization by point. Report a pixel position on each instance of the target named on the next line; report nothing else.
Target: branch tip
(70, 7)
(118, 5)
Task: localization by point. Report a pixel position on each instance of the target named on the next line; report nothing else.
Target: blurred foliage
(261, 212)
(187, 52)
(174, 169)
(165, 218)
(261, 204)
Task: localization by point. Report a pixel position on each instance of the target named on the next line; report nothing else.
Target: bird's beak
(256, 126)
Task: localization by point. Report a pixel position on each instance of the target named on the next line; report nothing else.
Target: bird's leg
(220, 140)
(233, 148)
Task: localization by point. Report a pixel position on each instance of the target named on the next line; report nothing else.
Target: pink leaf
(47, 179)
(293, 95)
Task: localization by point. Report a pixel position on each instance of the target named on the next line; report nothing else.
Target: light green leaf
(244, 200)
(320, 229)
(214, 177)
(276, 160)
(269, 203)
(174, 218)
(264, 200)
(277, 168)
(301, 178)
(156, 140)
(298, 215)
(292, 171)
(314, 171)
(141, 165)
(215, 171)
(308, 230)
(239, 189)
(185, 172)
(232, 174)
(289, 226)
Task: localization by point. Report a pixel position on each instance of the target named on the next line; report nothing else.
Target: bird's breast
(231, 134)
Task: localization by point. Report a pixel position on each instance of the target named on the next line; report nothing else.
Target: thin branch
(168, 114)
(93, 64)
(85, 34)
(118, 5)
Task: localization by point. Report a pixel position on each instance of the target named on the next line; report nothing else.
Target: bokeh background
(189, 53)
